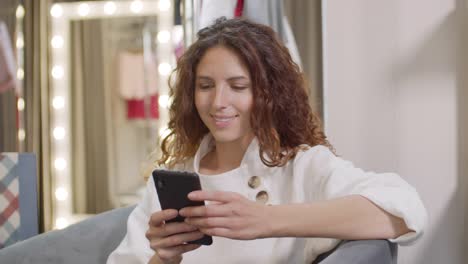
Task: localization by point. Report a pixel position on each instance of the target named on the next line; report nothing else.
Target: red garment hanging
(239, 8)
(136, 108)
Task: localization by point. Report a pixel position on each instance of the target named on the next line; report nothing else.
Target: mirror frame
(61, 14)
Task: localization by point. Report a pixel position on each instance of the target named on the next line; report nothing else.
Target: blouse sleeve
(333, 177)
(135, 248)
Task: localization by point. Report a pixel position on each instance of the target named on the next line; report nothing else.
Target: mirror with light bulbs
(109, 66)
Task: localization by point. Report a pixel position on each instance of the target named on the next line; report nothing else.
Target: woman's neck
(225, 156)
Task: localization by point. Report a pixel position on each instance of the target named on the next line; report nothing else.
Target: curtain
(306, 22)
(8, 126)
(88, 126)
(36, 97)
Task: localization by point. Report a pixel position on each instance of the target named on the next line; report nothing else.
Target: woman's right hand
(169, 240)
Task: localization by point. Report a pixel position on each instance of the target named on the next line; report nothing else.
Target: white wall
(394, 83)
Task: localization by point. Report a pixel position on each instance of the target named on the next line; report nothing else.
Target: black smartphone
(172, 188)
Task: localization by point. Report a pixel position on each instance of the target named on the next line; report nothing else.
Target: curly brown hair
(283, 123)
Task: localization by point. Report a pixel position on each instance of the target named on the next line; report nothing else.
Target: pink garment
(7, 61)
(179, 49)
(132, 76)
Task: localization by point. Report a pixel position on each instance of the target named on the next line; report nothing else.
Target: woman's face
(223, 94)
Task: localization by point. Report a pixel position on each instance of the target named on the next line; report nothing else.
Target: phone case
(172, 188)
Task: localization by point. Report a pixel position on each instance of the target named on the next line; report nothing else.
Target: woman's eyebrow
(204, 78)
(233, 78)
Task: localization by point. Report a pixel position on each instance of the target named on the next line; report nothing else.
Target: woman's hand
(231, 215)
(169, 240)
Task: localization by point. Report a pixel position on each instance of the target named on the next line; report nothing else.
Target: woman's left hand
(231, 215)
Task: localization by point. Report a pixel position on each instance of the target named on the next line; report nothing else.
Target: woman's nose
(221, 97)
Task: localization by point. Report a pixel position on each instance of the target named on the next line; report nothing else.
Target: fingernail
(192, 195)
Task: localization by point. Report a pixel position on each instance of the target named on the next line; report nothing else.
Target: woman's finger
(176, 240)
(209, 222)
(175, 252)
(211, 210)
(216, 196)
(218, 231)
(158, 218)
(169, 229)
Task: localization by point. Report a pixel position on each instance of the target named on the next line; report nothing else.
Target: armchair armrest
(89, 241)
(361, 252)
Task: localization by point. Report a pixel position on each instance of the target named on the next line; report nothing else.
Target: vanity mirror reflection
(110, 62)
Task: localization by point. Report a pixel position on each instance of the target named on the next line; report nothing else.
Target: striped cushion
(9, 205)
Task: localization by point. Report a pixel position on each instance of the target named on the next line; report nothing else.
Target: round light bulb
(164, 68)
(60, 164)
(57, 72)
(163, 101)
(58, 102)
(19, 42)
(164, 36)
(20, 12)
(83, 9)
(20, 74)
(61, 194)
(61, 223)
(59, 133)
(56, 11)
(109, 8)
(136, 6)
(163, 132)
(57, 42)
(164, 5)
(20, 104)
(21, 134)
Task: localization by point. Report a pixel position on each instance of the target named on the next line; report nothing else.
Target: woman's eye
(237, 87)
(204, 86)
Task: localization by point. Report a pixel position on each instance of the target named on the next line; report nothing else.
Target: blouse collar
(251, 155)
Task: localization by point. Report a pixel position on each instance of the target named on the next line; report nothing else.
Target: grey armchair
(92, 240)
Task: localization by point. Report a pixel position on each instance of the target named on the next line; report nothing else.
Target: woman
(240, 118)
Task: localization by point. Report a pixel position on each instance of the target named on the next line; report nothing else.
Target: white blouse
(313, 175)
